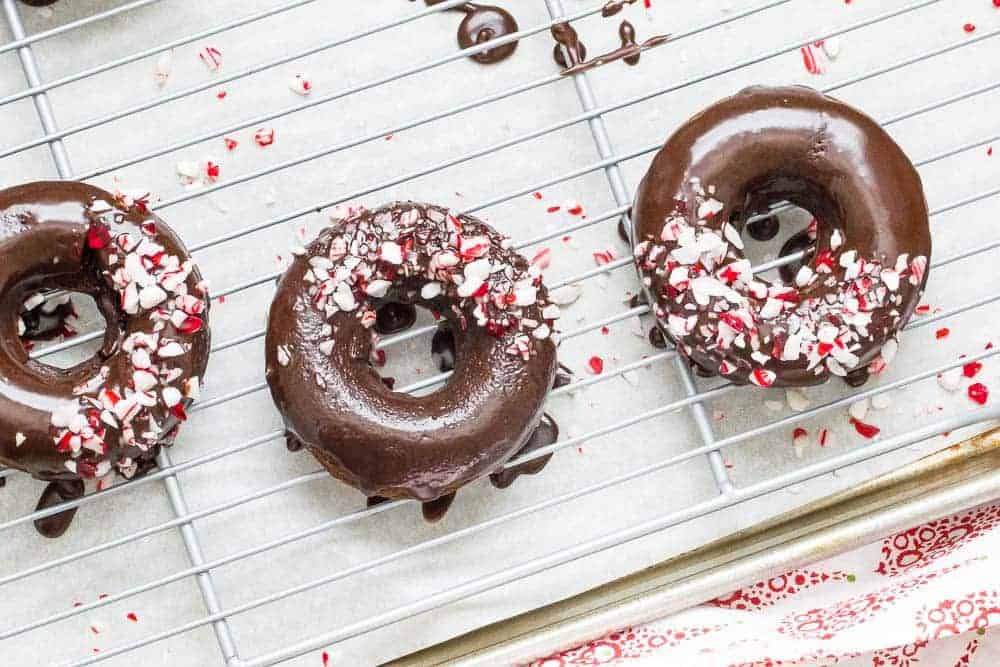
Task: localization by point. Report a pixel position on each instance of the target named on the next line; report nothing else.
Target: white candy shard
(859, 409)
(797, 400)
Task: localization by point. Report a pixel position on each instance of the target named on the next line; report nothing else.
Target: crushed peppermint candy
(212, 57)
(300, 84)
(264, 136)
(141, 410)
(432, 253)
(978, 392)
(709, 299)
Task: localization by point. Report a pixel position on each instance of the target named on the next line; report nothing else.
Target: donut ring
(863, 279)
(111, 412)
(320, 340)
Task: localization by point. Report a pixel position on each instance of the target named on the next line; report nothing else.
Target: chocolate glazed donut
(866, 272)
(320, 342)
(112, 412)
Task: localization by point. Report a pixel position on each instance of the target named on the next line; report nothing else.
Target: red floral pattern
(766, 593)
(627, 644)
(899, 656)
(965, 659)
(806, 616)
(826, 622)
(920, 546)
(973, 611)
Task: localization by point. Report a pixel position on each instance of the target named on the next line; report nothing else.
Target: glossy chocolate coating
(391, 444)
(481, 24)
(765, 145)
(45, 244)
(39, 3)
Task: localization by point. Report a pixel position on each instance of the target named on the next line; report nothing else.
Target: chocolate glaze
(762, 146)
(75, 237)
(567, 42)
(797, 242)
(391, 444)
(395, 317)
(481, 24)
(39, 3)
(55, 525)
(629, 51)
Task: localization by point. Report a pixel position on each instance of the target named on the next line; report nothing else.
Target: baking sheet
(350, 174)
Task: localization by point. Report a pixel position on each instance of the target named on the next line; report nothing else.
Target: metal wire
(609, 161)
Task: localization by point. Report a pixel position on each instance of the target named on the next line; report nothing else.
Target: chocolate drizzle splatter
(629, 51)
(567, 41)
(481, 24)
(615, 6)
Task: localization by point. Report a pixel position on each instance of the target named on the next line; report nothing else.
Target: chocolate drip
(638, 300)
(395, 317)
(55, 493)
(3, 482)
(39, 3)
(800, 241)
(763, 229)
(443, 350)
(857, 377)
(47, 322)
(622, 233)
(372, 501)
(546, 433)
(434, 510)
(657, 339)
(564, 376)
(567, 41)
(481, 24)
(615, 6)
(292, 443)
(629, 51)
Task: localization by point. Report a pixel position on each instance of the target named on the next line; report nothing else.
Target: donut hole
(413, 360)
(53, 318)
(768, 237)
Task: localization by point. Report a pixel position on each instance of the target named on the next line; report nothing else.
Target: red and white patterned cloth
(925, 597)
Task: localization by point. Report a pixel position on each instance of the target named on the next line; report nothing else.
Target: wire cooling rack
(591, 126)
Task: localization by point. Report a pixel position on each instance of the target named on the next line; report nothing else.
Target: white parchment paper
(363, 174)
